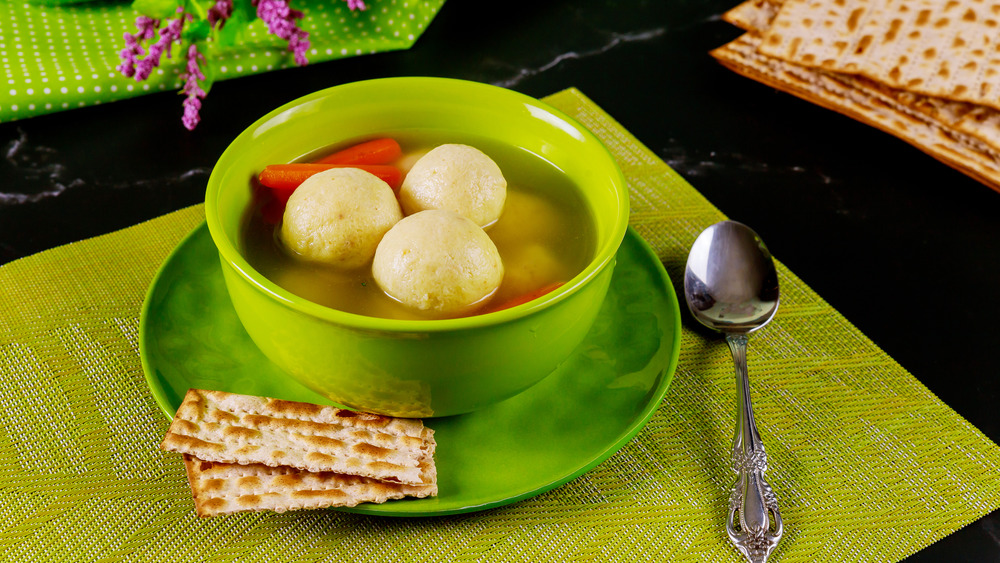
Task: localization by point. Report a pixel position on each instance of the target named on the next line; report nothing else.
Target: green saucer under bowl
(574, 419)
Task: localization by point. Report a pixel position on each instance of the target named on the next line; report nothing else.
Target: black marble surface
(905, 247)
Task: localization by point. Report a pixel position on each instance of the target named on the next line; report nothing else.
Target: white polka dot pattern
(61, 57)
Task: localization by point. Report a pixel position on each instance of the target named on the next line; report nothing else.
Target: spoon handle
(754, 522)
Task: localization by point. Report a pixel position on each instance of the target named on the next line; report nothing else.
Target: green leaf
(244, 10)
(157, 9)
(229, 35)
(232, 32)
(196, 30)
(198, 8)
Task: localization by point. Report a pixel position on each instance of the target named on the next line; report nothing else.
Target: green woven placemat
(62, 57)
(867, 463)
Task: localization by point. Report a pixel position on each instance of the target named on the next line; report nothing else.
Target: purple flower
(191, 117)
(168, 35)
(133, 44)
(193, 90)
(138, 61)
(219, 13)
(280, 20)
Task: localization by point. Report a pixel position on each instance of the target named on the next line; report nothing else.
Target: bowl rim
(230, 255)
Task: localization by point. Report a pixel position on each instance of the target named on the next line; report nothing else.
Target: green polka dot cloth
(58, 57)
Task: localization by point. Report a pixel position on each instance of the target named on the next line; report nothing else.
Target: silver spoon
(731, 286)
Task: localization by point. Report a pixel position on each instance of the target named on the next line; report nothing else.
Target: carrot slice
(289, 176)
(376, 151)
(522, 299)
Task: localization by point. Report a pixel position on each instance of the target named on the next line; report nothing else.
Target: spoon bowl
(730, 282)
(731, 286)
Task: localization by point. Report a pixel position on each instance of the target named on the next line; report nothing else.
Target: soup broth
(544, 236)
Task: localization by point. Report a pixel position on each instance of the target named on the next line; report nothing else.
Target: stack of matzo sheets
(255, 453)
(926, 71)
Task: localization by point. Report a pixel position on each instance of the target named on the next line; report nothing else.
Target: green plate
(577, 417)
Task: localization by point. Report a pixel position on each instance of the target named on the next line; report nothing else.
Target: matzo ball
(459, 178)
(338, 217)
(438, 262)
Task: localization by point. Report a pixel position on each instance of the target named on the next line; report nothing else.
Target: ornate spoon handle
(754, 523)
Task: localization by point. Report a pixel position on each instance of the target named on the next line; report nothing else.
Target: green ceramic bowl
(416, 367)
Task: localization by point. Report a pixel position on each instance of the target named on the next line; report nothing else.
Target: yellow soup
(545, 235)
